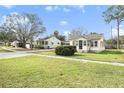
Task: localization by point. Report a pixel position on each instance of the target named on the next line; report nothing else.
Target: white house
(17, 44)
(49, 42)
(89, 43)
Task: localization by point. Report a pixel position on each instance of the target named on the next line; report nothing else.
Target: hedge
(65, 50)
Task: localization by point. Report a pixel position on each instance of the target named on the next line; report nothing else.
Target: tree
(25, 26)
(6, 34)
(76, 33)
(113, 41)
(57, 35)
(114, 13)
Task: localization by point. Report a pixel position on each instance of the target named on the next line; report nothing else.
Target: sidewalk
(27, 53)
(83, 60)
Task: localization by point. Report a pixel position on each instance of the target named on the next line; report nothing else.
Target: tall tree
(76, 33)
(115, 12)
(26, 26)
(57, 35)
(6, 34)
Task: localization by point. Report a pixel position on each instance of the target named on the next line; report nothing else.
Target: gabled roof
(41, 39)
(91, 37)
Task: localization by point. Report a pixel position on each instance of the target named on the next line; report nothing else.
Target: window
(84, 43)
(42, 42)
(96, 43)
(91, 43)
(52, 43)
(58, 42)
(80, 44)
(46, 43)
(88, 43)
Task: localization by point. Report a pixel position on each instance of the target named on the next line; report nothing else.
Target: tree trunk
(31, 45)
(118, 43)
(24, 44)
(4, 43)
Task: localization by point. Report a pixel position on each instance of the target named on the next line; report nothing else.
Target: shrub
(65, 50)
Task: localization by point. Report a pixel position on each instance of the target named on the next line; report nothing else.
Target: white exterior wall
(15, 44)
(53, 42)
(99, 48)
(28, 46)
(88, 48)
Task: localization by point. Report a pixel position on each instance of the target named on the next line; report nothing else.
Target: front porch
(89, 46)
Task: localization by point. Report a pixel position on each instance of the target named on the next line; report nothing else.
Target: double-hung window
(84, 43)
(96, 43)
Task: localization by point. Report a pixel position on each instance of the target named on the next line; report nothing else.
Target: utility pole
(111, 36)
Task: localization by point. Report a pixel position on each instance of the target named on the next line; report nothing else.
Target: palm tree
(116, 13)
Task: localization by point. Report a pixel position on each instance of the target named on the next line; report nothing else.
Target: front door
(80, 44)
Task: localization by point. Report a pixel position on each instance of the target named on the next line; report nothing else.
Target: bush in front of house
(65, 50)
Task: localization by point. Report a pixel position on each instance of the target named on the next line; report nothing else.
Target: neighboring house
(49, 42)
(89, 43)
(17, 44)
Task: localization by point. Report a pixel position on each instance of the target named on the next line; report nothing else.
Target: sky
(66, 18)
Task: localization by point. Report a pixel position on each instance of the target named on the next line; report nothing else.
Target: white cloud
(81, 7)
(55, 7)
(83, 11)
(66, 9)
(8, 6)
(62, 23)
(51, 8)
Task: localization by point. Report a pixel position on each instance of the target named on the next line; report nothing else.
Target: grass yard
(3, 50)
(108, 55)
(33, 71)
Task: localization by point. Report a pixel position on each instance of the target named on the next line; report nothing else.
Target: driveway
(15, 53)
(12, 55)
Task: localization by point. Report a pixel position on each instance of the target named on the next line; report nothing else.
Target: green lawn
(3, 50)
(33, 71)
(108, 55)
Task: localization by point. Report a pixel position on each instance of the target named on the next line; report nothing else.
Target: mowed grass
(107, 55)
(3, 50)
(33, 71)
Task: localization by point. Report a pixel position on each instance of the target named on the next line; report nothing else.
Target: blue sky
(66, 18)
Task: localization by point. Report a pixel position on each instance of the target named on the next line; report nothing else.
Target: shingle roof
(93, 36)
(41, 39)
(45, 38)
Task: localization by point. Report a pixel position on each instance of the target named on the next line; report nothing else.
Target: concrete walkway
(83, 60)
(15, 54)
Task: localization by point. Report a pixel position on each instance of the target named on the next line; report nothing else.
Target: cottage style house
(49, 42)
(89, 43)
